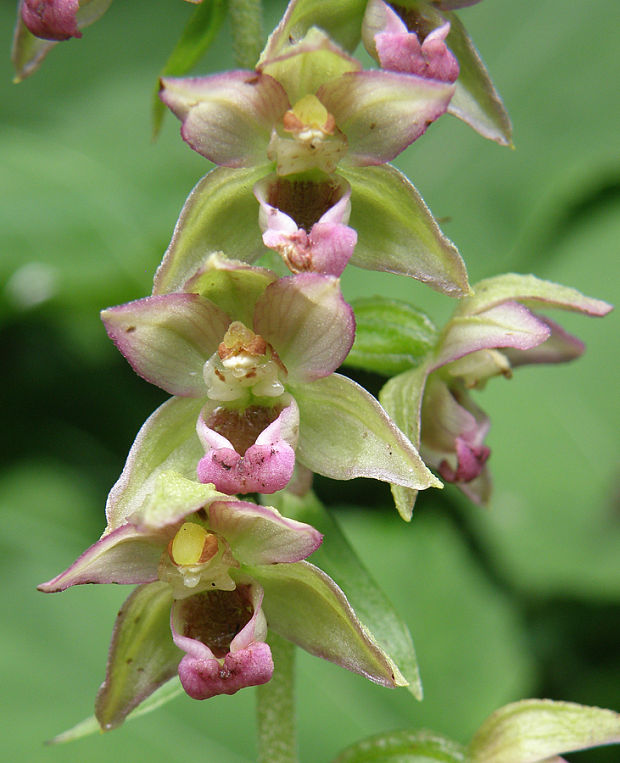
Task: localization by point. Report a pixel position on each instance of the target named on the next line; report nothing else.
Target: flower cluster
(247, 326)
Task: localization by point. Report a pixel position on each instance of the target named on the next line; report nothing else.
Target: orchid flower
(213, 574)
(426, 39)
(256, 376)
(490, 334)
(314, 132)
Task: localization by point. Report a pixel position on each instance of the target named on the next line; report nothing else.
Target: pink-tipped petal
(308, 323)
(403, 52)
(126, 555)
(227, 117)
(168, 338)
(561, 347)
(381, 112)
(260, 535)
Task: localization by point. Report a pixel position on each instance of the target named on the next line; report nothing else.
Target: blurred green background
(521, 600)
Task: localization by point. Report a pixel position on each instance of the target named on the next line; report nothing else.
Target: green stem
(276, 707)
(246, 18)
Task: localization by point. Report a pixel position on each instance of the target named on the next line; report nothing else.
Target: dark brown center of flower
(306, 201)
(415, 20)
(215, 617)
(242, 427)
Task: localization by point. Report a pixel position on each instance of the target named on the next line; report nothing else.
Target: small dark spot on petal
(130, 329)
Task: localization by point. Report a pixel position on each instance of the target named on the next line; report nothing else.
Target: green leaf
(337, 558)
(210, 222)
(142, 656)
(402, 399)
(404, 747)
(342, 21)
(305, 606)
(197, 36)
(391, 336)
(90, 725)
(476, 101)
(536, 729)
(397, 232)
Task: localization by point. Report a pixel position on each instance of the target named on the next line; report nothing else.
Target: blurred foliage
(521, 600)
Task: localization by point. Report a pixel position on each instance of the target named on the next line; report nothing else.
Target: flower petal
(142, 654)
(228, 117)
(559, 348)
(209, 222)
(265, 467)
(51, 19)
(534, 729)
(475, 100)
(397, 233)
(305, 606)
(345, 433)
(530, 291)
(166, 441)
(126, 555)
(260, 535)
(508, 324)
(308, 323)
(381, 112)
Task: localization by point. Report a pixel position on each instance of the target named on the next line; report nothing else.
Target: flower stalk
(246, 19)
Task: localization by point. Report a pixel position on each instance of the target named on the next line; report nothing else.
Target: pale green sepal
(174, 497)
(342, 21)
(28, 51)
(530, 291)
(475, 100)
(90, 725)
(142, 655)
(402, 399)
(336, 557)
(305, 606)
(232, 285)
(404, 747)
(535, 729)
(397, 232)
(391, 336)
(199, 33)
(345, 433)
(166, 441)
(210, 222)
(302, 69)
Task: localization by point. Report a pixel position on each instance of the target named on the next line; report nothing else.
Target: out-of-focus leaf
(391, 336)
(336, 557)
(403, 747)
(197, 36)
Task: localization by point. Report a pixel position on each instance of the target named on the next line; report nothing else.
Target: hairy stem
(276, 707)
(246, 18)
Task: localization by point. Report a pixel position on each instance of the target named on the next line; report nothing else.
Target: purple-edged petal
(307, 321)
(561, 347)
(227, 117)
(167, 339)
(142, 654)
(260, 535)
(530, 291)
(345, 433)
(265, 467)
(305, 606)
(506, 325)
(200, 627)
(167, 441)
(325, 248)
(126, 555)
(381, 113)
